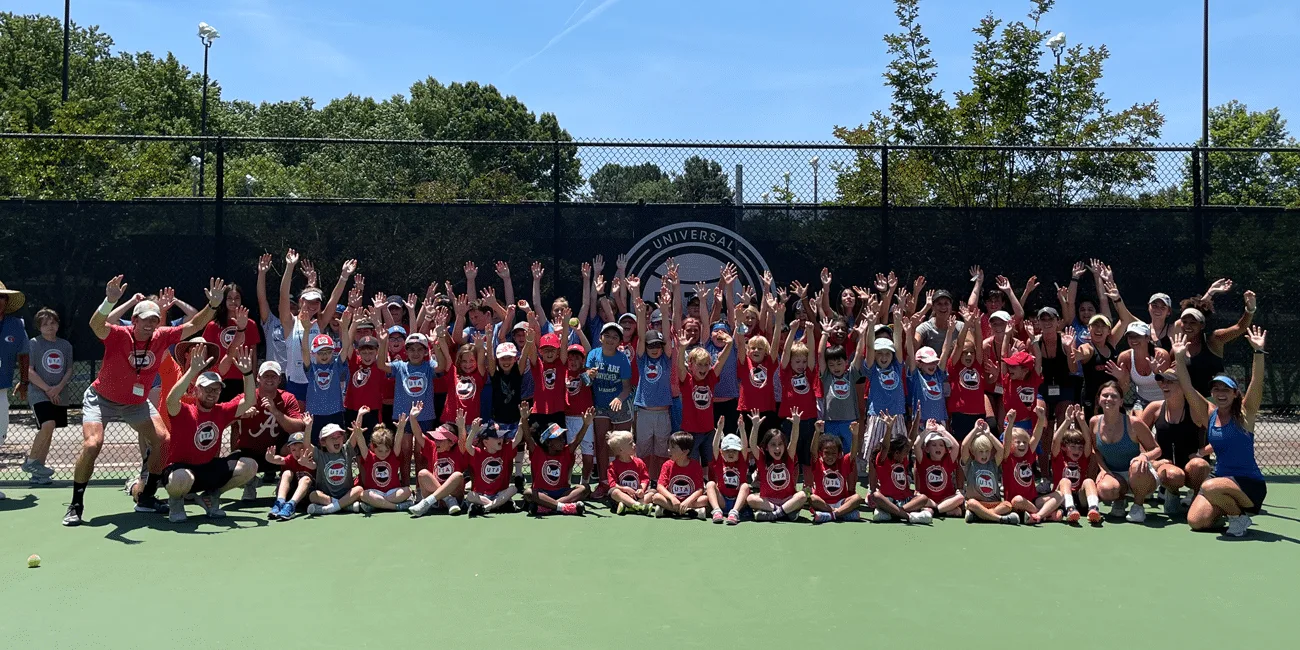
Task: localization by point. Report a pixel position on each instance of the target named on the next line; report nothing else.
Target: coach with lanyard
(132, 355)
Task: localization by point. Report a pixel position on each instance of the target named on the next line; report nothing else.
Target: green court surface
(351, 581)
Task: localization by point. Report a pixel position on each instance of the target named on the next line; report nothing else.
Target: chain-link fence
(761, 206)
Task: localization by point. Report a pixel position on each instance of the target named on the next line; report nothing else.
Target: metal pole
(740, 185)
(885, 225)
(1198, 217)
(203, 119)
(67, 20)
(556, 217)
(1205, 104)
(219, 213)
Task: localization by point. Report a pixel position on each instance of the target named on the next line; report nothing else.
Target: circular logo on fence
(700, 250)
(53, 361)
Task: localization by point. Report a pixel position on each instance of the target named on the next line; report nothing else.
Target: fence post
(555, 210)
(885, 225)
(1198, 216)
(219, 213)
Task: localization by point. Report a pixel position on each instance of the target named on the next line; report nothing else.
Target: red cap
(321, 342)
(1020, 358)
(551, 340)
(577, 348)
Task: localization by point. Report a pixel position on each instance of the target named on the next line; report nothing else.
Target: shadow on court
(124, 523)
(27, 501)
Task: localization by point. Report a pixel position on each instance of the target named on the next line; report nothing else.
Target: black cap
(942, 293)
(654, 337)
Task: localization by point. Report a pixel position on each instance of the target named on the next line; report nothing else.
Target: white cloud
(559, 37)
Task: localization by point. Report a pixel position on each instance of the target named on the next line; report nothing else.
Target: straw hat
(16, 298)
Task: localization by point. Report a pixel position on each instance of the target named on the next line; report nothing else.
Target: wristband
(246, 374)
(1118, 300)
(1251, 311)
(106, 307)
(242, 329)
(1260, 352)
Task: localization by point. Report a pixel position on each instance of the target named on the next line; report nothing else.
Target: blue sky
(698, 70)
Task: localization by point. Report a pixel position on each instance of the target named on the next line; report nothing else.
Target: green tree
(702, 181)
(615, 183)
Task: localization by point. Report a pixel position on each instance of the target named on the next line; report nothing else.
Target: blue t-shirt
(886, 389)
(929, 389)
(413, 383)
(610, 372)
(728, 386)
(13, 342)
(325, 387)
(654, 379)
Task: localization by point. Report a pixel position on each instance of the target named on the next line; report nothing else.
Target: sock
(1092, 501)
(449, 501)
(332, 508)
(717, 512)
(78, 492)
(1069, 501)
(151, 485)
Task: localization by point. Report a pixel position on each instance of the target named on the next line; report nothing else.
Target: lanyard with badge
(136, 359)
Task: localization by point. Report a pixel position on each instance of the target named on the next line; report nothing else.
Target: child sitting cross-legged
(552, 467)
(628, 476)
(681, 481)
(490, 459)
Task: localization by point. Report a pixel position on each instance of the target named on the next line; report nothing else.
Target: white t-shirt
(296, 373)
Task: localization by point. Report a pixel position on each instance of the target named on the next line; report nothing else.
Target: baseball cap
(1099, 318)
(1167, 375)
(1050, 311)
(1139, 328)
(628, 316)
(490, 430)
(146, 309)
(322, 342)
(881, 327)
(931, 436)
(927, 355)
(365, 323)
(1194, 313)
(885, 344)
(270, 366)
(339, 309)
(297, 436)
(507, 350)
(576, 347)
(654, 337)
(418, 339)
(329, 430)
(1020, 358)
(611, 326)
(310, 293)
(442, 433)
(731, 442)
(1000, 315)
(208, 378)
(942, 293)
(1225, 380)
(1160, 297)
(656, 316)
(397, 329)
(368, 342)
(396, 300)
(549, 340)
(521, 325)
(553, 431)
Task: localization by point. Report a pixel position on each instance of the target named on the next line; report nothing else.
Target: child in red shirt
(681, 480)
(892, 494)
(380, 476)
(552, 465)
(1071, 452)
(800, 386)
(835, 477)
(299, 467)
(1018, 465)
(776, 458)
(490, 461)
(628, 476)
(729, 489)
(441, 480)
(578, 401)
(467, 379)
(699, 374)
(936, 469)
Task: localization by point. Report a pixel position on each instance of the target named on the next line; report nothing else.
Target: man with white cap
(13, 353)
(194, 462)
(132, 355)
(273, 415)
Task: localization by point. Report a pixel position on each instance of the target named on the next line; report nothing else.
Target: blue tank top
(1117, 455)
(1234, 449)
(728, 387)
(886, 392)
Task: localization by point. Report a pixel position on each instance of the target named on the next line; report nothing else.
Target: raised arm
(330, 310)
(286, 282)
(198, 362)
(1242, 326)
(99, 320)
(1255, 391)
(717, 432)
(263, 305)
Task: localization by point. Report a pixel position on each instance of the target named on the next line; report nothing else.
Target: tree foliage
(700, 181)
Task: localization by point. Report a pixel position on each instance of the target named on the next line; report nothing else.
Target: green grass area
(350, 581)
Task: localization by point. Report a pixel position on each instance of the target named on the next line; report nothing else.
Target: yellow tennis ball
(33, 561)
(573, 322)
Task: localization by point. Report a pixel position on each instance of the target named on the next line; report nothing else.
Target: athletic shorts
(208, 476)
(621, 416)
(100, 409)
(263, 465)
(653, 428)
(572, 425)
(803, 450)
(1066, 394)
(50, 412)
(557, 494)
(1254, 489)
(701, 447)
(1123, 476)
(297, 390)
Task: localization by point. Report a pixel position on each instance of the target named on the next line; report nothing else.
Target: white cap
(1194, 313)
(1000, 315)
(271, 366)
(1161, 297)
(884, 344)
(310, 293)
(418, 338)
(931, 436)
(927, 355)
(1139, 328)
(146, 309)
(208, 378)
(329, 430)
(507, 350)
(731, 442)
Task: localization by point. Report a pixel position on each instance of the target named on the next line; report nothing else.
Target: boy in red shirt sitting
(552, 464)
(490, 460)
(681, 481)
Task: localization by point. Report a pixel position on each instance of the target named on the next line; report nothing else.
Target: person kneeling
(552, 466)
(681, 481)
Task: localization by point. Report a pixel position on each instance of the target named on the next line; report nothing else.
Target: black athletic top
(1203, 367)
(1094, 372)
(1056, 368)
(1177, 440)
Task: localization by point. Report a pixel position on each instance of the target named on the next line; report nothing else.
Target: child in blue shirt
(326, 375)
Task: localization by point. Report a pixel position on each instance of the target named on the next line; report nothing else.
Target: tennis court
(355, 581)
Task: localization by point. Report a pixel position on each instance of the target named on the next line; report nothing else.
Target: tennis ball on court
(573, 322)
(33, 561)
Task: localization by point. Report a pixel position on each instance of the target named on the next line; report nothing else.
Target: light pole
(816, 165)
(67, 20)
(1057, 45)
(207, 34)
(1205, 104)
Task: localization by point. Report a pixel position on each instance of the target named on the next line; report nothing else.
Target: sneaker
(1171, 502)
(1030, 518)
(420, 508)
(211, 505)
(476, 510)
(1012, 519)
(1117, 508)
(36, 468)
(315, 509)
(250, 490)
(73, 516)
(355, 507)
(621, 509)
(922, 517)
(579, 509)
(453, 508)
(601, 491)
(822, 518)
(39, 479)
(151, 505)
(274, 514)
(288, 511)
(970, 517)
(733, 518)
(717, 517)
(763, 515)
(657, 512)
(1094, 516)
(880, 516)
(28, 466)
(1072, 515)
(791, 516)
(853, 515)
(1136, 514)
(176, 510)
(1044, 486)
(1237, 525)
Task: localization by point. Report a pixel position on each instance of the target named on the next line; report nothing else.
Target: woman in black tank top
(1179, 427)
(1205, 347)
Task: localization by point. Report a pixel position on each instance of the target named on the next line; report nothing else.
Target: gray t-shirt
(933, 337)
(51, 361)
(983, 481)
(277, 348)
(839, 394)
(334, 471)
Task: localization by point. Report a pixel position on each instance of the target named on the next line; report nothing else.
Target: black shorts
(50, 412)
(208, 476)
(961, 424)
(263, 466)
(367, 423)
(804, 449)
(726, 409)
(319, 421)
(1254, 489)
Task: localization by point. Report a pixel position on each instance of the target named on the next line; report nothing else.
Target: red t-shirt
(224, 336)
(776, 480)
(729, 476)
(755, 380)
(936, 478)
(837, 482)
(491, 471)
(463, 394)
(128, 362)
(292, 464)
(1018, 476)
(891, 476)
(380, 473)
(1075, 470)
(799, 391)
(577, 395)
(365, 386)
(682, 480)
(697, 403)
(258, 429)
(548, 386)
(445, 464)
(196, 435)
(1019, 395)
(966, 395)
(551, 472)
(631, 475)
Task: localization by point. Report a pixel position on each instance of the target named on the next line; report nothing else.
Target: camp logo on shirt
(1027, 394)
(1024, 473)
(840, 388)
(551, 472)
(573, 386)
(889, 379)
(799, 383)
(443, 468)
(228, 336)
(682, 486)
(491, 468)
(335, 471)
(53, 361)
(1071, 472)
(898, 474)
(700, 249)
(970, 378)
(205, 436)
(324, 378)
(414, 385)
(652, 371)
(936, 478)
(984, 483)
(702, 397)
(778, 475)
(629, 479)
(730, 477)
(758, 376)
(465, 388)
(832, 482)
(143, 359)
(932, 390)
(548, 378)
(381, 472)
(361, 376)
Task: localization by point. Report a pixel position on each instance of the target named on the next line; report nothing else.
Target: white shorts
(574, 424)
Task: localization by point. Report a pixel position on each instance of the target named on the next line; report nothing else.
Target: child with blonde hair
(628, 476)
(800, 388)
(981, 458)
(295, 478)
(698, 374)
(1018, 466)
(381, 470)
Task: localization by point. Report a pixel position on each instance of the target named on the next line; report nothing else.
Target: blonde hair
(619, 440)
(380, 435)
(751, 311)
(761, 341)
(1018, 433)
(798, 349)
(981, 445)
(465, 348)
(697, 356)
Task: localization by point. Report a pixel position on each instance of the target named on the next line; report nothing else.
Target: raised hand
(825, 276)
(537, 270)
(1078, 270)
(462, 305)
(1256, 338)
(489, 296)
(598, 265)
(586, 272)
(1222, 285)
(1111, 291)
(882, 284)
(166, 298)
(216, 291)
(621, 263)
(1031, 284)
(1249, 298)
(349, 267)
(976, 274)
(471, 271)
(264, 263)
(291, 257)
(918, 284)
(416, 409)
(1114, 370)
(410, 300)
(503, 270)
(198, 359)
(633, 285)
(795, 415)
(241, 316)
(354, 299)
(1002, 283)
(1062, 294)
(242, 356)
(114, 289)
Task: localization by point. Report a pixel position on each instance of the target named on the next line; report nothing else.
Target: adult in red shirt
(273, 415)
(194, 462)
(132, 355)
(229, 329)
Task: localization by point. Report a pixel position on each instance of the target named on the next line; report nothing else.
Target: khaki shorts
(96, 408)
(653, 428)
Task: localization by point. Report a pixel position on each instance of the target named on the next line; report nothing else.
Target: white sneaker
(880, 516)
(1171, 502)
(1237, 525)
(1117, 508)
(315, 509)
(1136, 514)
(922, 517)
(250, 489)
(419, 508)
